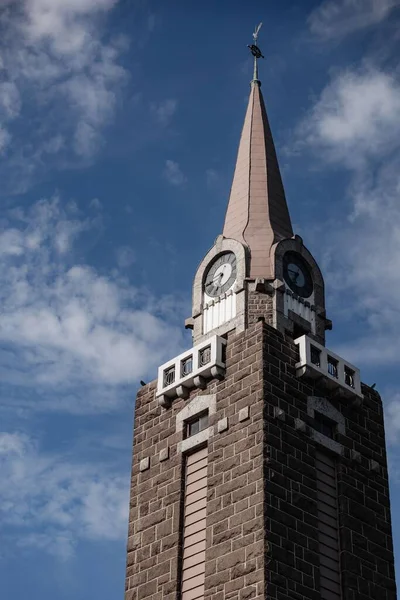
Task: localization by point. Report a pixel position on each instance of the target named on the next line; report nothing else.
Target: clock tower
(258, 268)
(259, 466)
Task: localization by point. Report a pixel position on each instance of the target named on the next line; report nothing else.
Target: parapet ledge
(191, 369)
(331, 370)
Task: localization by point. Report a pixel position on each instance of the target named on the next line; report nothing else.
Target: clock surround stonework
(260, 298)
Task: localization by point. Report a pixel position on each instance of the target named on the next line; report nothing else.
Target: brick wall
(261, 513)
(290, 484)
(235, 517)
(235, 497)
(259, 305)
(154, 505)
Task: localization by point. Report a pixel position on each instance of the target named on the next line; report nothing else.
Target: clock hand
(214, 281)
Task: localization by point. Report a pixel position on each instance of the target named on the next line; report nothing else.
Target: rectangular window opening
(186, 366)
(332, 366)
(193, 526)
(324, 425)
(204, 356)
(328, 527)
(223, 353)
(349, 376)
(169, 376)
(315, 356)
(196, 425)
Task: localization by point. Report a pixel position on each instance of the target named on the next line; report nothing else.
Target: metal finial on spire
(256, 52)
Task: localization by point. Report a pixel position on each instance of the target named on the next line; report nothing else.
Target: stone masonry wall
(290, 488)
(235, 512)
(154, 504)
(235, 521)
(261, 514)
(259, 305)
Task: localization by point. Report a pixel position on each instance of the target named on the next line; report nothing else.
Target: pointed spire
(257, 213)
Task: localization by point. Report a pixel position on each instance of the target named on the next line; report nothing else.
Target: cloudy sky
(119, 124)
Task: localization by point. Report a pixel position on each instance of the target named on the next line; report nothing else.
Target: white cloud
(96, 204)
(56, 56)
(212, 177)
(356, 118)
(60, 546)
(12, 443)
(86, 140)
(337, 18)
(125, 257)
(164, 111)
(53, 502)
(10, 101)
(77, 337)
(356, 124)
(392, 420)
(5, 139)
(61, 23)
(173, 173)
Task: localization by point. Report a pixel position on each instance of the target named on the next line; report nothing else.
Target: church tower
(259, 464)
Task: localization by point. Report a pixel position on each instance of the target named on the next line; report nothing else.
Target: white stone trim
(164, 454)
(196, 406)
(306, 367)
(181, 385)
(236, 322)
(144, 464)
(324, 407)
(300, 425)
(374, 465)
(244, 414)
(194, 441)
(279, 413)
(218, 311)
(304, 308)
(327, 442)
(222, 425)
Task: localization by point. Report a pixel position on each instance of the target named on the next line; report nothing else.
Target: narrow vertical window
(197, 425)
(332, 366)
(328, 527)
(324, 425)
(194, 526)
(186, 366)
(315, 356)
(169, 375)
(349, 376)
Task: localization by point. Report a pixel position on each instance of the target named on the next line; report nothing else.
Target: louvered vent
(328, 530)
(194, 526)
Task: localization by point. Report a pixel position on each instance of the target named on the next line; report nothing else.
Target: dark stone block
(304, 503)
(349, 580)
(307, 592)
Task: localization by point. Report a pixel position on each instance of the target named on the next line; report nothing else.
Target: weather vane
(255, 50)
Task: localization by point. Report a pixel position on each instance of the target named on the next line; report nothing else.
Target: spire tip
(256, 52)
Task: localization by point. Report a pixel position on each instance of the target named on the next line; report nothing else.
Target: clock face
(297, 274)
(221, 275)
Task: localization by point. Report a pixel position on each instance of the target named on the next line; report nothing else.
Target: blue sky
(119, 125)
